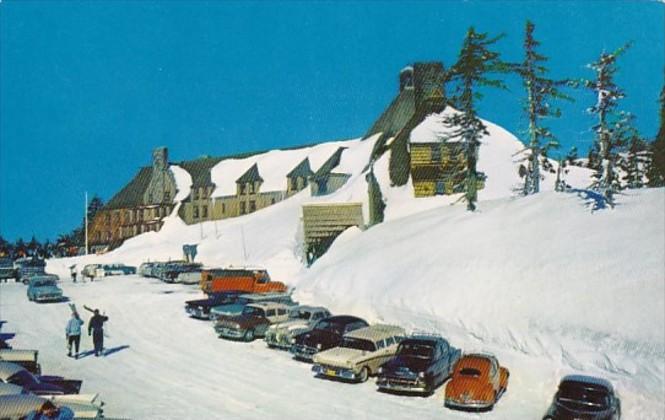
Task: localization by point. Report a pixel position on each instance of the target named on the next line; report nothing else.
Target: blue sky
(87, 89)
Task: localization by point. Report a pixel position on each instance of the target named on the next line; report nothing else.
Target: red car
(477, 383)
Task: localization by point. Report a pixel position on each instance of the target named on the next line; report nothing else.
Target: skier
(73, 334)
(96, 328)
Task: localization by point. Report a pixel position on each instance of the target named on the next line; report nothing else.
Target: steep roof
(132, 194)
(199, 170)
(395, 117)
(330, 164)
(303, 169)
(251, 175)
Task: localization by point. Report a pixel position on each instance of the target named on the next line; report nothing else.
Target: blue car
(44, 289)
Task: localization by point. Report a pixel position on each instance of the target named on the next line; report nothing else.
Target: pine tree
(540, 92)
(572, 156)
(593, 157)
(94, 206)
(33, 246)
(376, 204)
(656, 165)
(633, 164)
(612, 127)
(475, 61)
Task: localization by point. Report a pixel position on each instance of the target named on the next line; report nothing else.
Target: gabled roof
(251, 175)
(199, 170)
(303, 169)
(329, 164)
(132, 194)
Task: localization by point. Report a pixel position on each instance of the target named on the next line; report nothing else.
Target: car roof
(18, 406)
(8, 369)
(376, 332)
(10, 389)
(268, 305)
(587, 380)
(309, 308)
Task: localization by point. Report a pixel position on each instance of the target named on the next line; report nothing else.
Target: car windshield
(44, 283)
(22, 378)
(252, 311)
(306, 315)
(421, 351)
(358, 344)
(327, 325)
(471, 372)
(583, 397)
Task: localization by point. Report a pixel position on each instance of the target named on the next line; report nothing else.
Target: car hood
(324, 337)
(47, 290)
(406, 364)
(296, 324)
(228, 310)
(340, 356)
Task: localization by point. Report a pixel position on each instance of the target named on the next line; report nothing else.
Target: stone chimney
(428, 84)
(160, 159)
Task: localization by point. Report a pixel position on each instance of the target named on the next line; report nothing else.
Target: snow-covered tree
(541, 91)
(613, 126)
(656, 164)
(572, 156)
(634, 162)
(469, 73)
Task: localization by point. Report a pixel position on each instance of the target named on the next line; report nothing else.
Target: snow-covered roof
(432, 129)
(183, 182)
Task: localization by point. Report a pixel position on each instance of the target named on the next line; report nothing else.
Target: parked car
(7, 270)
(360, 354)
(114, 270)
(325, 335)
(200, 308)
(145, 269)
(235, 308)
(253, 321)
(11, 373)
(189, 277)
(250, 280)
(159, 269)
(422, 363)
(28, 267)
(44, 289)
(20, 406)
(4, 338)
(172, 270)
(477, 383)
(584, 397)
(301, 320)
(25, 358)
(90, 270)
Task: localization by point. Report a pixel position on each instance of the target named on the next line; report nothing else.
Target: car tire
(249, 335)
(364, 374)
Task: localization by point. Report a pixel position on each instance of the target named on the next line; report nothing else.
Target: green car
(44, 289)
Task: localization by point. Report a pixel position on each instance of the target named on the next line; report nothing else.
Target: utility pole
(86, 223)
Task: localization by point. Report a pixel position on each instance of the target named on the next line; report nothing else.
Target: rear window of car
(270, 312)
(474, 373)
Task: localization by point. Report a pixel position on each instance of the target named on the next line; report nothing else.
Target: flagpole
(86, 223)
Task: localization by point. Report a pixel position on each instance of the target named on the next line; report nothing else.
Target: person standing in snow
(96, 328)
(73, 334)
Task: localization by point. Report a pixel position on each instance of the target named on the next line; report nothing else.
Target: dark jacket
(97, 323)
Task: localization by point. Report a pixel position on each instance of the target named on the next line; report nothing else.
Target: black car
(326, 334)
(422, 363)
(584, 398)
(11, 373)
(200, 308)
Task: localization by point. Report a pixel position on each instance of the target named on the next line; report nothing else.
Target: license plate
(331, 372)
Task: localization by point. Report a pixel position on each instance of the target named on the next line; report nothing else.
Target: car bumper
(226, 332)
(47, 298)
(282, 341)
(302, 352)
(334, 372)
(401, 384)
(468, 404)
(197, 313)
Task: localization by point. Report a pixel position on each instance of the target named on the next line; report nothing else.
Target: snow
(273, 166)
(543, 282)
(183, 181)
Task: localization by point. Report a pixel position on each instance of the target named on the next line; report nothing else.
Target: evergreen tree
(572, 156)
(612, 127)
(94, 206)
(33, 246)
(20, 249)
(376, 204)
(540, 92)
(475, 61)
(4, 247)
(656, 165)
(633, 164)
(593, 157)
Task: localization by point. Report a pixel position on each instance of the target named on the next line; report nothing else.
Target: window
(242, 207)
(250, 187)
(252, 206)
(270, 312)
(390, 341)
(381, 344)
(281, 311)
(167, 195)
(196, 212)
(223, 208)
(262, 280)
(204, 211)
(107, 217)
(243, 188)
(436, 153)
(272, 200)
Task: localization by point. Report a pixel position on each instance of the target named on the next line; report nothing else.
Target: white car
(301, 320)
(15, 405)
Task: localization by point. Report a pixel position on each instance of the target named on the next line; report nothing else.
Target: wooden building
(324, 222)
(326, 180)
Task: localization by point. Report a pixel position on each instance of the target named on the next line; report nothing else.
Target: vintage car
(253, 321)
(145, 269)
(25, 358)
(11, 373)
(325, 335)
(29, 267)
(584, 397)
(235, 308)
(200, 308)
(90, 270)
(301, 320)
(422, 363)
(477, 383)
(28, 406)
(114, 270)
(360, 354)
(160, 268)
(189, 277)
(7, 270)
(250, 280)
(44, 288)
(171, 271)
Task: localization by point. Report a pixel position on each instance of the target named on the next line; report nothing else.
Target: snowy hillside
(544, 282)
